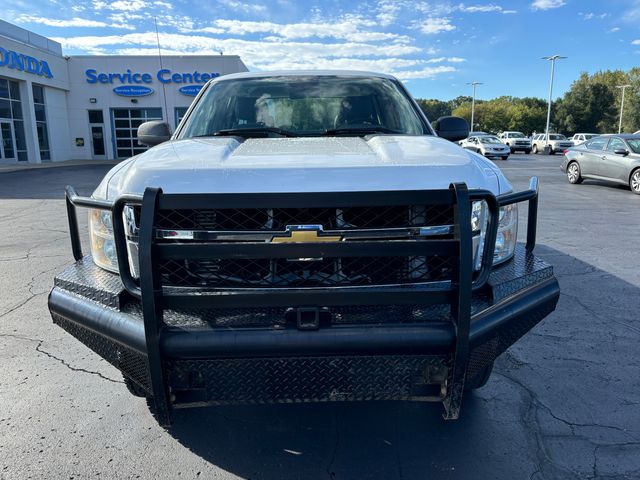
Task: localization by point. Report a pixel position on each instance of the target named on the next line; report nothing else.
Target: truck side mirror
(153, 133)
(451, 128)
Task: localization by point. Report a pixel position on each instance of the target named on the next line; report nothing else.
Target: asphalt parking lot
(563, 402)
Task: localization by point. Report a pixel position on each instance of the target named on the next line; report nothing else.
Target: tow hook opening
(308, 318)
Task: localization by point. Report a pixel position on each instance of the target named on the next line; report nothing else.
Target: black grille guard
(73, 200)
(155, 298)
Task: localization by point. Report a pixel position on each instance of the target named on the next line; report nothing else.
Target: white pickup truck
(303, 236)
(516, 141)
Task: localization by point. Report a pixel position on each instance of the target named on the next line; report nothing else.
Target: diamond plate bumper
(404, 358)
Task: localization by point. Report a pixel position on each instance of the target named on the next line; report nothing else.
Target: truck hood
(311, 164)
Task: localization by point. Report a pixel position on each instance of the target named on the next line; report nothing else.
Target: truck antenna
(164, 91)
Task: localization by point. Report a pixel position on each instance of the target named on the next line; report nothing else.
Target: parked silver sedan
(615, 158)
(487, 145)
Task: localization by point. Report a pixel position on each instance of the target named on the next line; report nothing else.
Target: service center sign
(136, 81)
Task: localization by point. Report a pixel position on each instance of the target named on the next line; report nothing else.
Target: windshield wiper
(360, 130)
(252, 130)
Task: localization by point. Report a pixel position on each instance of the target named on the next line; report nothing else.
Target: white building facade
(57, 108)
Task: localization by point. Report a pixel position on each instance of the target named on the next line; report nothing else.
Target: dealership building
(56, 108)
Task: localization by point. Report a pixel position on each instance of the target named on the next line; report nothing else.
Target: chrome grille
(257, 225)
(277, 219)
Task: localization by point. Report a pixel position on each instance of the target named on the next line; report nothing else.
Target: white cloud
(387, 12)
(591, 15)
(404, 61)
(427, 72)
(200, 44)
(446, 59)
(435, 25)
(130, 6)
(635, 42)
(127, 5)
(479, 8)
(72, 22)
(243, 7)
(347, 29)
(547, 4)
(614, 30)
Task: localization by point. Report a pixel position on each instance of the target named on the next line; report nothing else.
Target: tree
(434, 109)
(592, 104)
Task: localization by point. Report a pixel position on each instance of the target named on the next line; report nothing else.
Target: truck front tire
(480, 380)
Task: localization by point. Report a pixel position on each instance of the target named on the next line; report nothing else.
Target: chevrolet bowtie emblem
(304, 234)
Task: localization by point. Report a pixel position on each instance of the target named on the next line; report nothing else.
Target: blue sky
(435, 47)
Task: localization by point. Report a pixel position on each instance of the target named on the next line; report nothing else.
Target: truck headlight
(103, 246)
(507, 233)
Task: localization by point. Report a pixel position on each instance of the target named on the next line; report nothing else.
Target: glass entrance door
(7, 142)
(97, 141)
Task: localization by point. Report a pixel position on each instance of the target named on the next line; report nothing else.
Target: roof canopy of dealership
(56, 108)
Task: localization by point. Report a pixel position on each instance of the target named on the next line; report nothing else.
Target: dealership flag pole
(164, 91)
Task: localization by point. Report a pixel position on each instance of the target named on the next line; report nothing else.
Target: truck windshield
(303, 106)
(516, 135)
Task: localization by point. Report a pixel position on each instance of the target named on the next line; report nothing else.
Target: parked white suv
(580, 138)
(557, 143)
(516, 141)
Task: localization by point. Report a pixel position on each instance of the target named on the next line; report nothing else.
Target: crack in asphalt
(530, 421)
(39, 349)
(335, 445)
(21, 304)
(593, 312)
(30, 287)
(535, 403)
(75, 369)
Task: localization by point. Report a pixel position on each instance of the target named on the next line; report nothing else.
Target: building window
(41, 122)
(180, 112)
(12, 131)
(125, 128)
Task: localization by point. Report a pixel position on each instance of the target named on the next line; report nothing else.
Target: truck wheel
(504, 157)
(480, 380)
(634, 181)
(535, 149)
(528, 151)
(573, 173)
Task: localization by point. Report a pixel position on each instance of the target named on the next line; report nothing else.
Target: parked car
(487, 145)
(516, 141)
(580, 138)
(473, 134)
(557, 143)
(615, 158)
(303, 237)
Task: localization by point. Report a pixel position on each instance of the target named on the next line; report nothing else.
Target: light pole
(473, 101)
(553, 59)
(623, 88)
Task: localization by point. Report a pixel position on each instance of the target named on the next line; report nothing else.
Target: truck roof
(304, 73)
